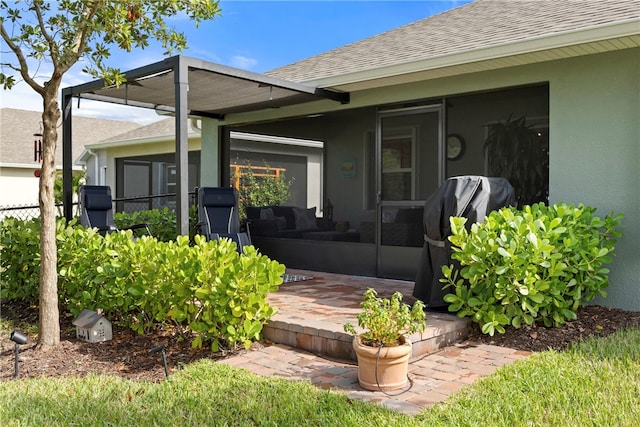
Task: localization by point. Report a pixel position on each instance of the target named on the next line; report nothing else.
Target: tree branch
(53, 48)
(80, 41)
(24, 68)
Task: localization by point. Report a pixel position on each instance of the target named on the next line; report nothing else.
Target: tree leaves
(89, 30)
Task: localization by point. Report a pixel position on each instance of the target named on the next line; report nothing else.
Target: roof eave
(553, 41)
(139, 141)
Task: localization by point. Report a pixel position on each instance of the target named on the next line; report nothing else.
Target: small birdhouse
(92, 327)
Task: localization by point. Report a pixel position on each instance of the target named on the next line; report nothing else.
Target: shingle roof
(482, 23)
(162, 128)
(18, 126)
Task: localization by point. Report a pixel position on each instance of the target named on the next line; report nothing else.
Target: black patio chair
(218, 216)
(96, 210)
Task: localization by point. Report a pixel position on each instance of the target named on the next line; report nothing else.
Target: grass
(595, 383)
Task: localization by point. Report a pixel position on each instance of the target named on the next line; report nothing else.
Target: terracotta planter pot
(384, 368)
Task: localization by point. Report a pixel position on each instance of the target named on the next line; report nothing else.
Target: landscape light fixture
(17, 338)
(161, 348)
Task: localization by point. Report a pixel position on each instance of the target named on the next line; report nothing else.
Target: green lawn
(596, 383)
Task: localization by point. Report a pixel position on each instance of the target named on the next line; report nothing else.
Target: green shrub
(225, 295)
(20, 260)
(206, 288)
(162, 223)
(259, 189)
(535, 265)
(209, 288)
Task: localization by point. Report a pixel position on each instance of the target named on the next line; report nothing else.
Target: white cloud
(106, 110)
(23, 97)
(243, 62)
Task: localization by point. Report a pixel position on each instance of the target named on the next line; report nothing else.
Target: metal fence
(24, 212)
(123, 204)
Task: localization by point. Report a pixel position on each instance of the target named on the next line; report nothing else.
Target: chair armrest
(246, 228)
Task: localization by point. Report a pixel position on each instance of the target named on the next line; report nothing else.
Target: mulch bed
(592, 321)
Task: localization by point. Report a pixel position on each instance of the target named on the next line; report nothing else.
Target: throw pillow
(267, 213)
(305, 218)
(281, 223)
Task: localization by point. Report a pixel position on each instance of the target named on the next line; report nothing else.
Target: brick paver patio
(433, 376)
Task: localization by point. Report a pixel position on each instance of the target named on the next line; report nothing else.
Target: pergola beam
(142, 85)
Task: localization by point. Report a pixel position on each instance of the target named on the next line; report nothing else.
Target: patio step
(312, 313)
(329, 340)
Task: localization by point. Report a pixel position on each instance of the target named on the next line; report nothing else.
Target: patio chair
(218, 215)
(96, 210)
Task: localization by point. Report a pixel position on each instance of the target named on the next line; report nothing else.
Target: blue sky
(256, 35)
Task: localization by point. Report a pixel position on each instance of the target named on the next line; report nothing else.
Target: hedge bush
(161, 222)
(535, 265)
(207, 288)
(20, 260)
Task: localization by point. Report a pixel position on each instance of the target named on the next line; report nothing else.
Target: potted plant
(382, 345)
(516, 151)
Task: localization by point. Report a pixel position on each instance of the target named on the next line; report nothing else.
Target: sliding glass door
(409, 146)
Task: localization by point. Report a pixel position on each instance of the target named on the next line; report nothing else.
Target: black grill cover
(472, 197)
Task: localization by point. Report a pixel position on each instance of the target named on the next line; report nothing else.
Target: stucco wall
(18, 186)
(595, 152)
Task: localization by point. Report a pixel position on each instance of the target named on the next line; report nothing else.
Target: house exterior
(18, 162)
(476, 64)
(142, 162)
(421, 101)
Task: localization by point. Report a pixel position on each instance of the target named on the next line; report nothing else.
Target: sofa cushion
(281, 223)
(267, 213)
(305, 218)
(253, 212)
(287, 213)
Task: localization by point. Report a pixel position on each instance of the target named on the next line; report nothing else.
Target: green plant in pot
(382, 345)
(516, 151)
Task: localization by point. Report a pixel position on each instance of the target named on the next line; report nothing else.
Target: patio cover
(186, 86)
(471, 197)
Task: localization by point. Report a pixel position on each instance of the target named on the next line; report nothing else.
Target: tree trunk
(49, 311)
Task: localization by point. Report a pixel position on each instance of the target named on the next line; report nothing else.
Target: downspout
(96, 166)
(194, 124)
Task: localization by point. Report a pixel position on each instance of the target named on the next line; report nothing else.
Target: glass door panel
(409, 146)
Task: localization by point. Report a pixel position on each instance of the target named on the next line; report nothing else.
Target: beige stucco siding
(595, 152)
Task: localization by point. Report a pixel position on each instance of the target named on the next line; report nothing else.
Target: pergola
(217, 90)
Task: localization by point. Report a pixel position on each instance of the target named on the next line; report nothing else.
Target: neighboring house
(421, 98)
(19, 164)
(142, 162)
